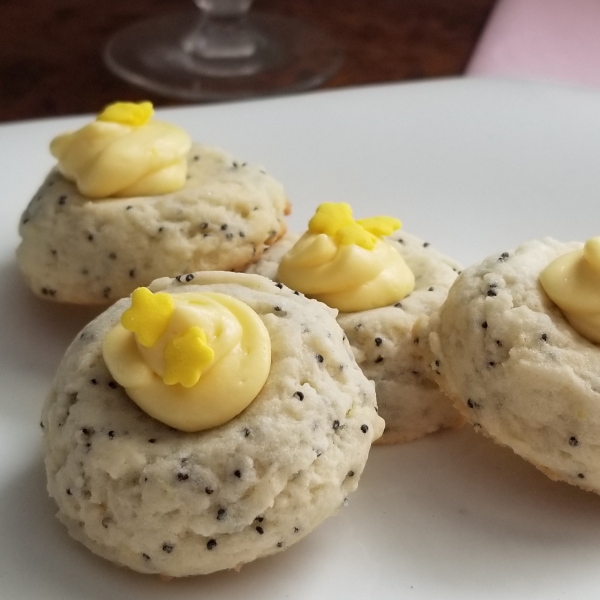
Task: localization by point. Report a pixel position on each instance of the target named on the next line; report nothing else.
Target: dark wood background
(51, 64)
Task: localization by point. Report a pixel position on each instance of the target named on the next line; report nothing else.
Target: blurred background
(51, 51)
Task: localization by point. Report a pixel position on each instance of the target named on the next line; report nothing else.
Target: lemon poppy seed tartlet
(210, 420)
(133, 199)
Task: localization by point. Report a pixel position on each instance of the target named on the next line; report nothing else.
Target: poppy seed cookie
(514, 366)
(159, 500)
(381, 338)
(86, 251)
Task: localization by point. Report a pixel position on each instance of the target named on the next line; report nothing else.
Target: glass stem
(221, 33)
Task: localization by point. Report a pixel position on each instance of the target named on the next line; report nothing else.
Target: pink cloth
(541, 40)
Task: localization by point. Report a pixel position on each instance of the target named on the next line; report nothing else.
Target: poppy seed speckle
(211, 544)
(336, 425)
(221, 514)
(260, 530)
(364, 428)
(299, 395)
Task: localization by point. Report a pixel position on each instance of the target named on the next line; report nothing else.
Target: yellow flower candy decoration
(335, 220)
(355, 234)
(380, 226)
(330, 217)
(149, 315)
(127, 113)
(186, 356)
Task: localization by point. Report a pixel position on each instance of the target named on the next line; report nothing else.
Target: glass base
(274, 55)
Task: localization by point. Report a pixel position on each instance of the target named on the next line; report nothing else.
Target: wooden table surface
(51, 50)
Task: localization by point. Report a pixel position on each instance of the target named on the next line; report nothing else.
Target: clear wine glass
(222, 51)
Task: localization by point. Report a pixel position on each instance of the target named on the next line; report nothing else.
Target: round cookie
(158, 500)
(381, 338)
(514, 366)
(86, 251)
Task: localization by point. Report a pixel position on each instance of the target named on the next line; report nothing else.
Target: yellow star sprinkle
(355, 234)
(336, 221)
(127, 113)
(148, 316)
(330, 217)
(186, 356)
(380, 226)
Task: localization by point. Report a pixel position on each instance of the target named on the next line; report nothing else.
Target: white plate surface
(474, 167)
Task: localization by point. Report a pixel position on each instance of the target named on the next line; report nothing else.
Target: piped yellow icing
(345, 263)
(124, 153)
(572, 281)
(207, 366)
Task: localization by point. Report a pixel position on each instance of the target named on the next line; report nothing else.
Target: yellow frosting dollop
(345, 263)
(208, 364)
(124, 153)
(572, 281)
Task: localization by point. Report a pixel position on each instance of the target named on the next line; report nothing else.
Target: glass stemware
(222, 51)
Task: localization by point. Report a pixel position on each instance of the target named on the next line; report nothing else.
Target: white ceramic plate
(474, 167)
